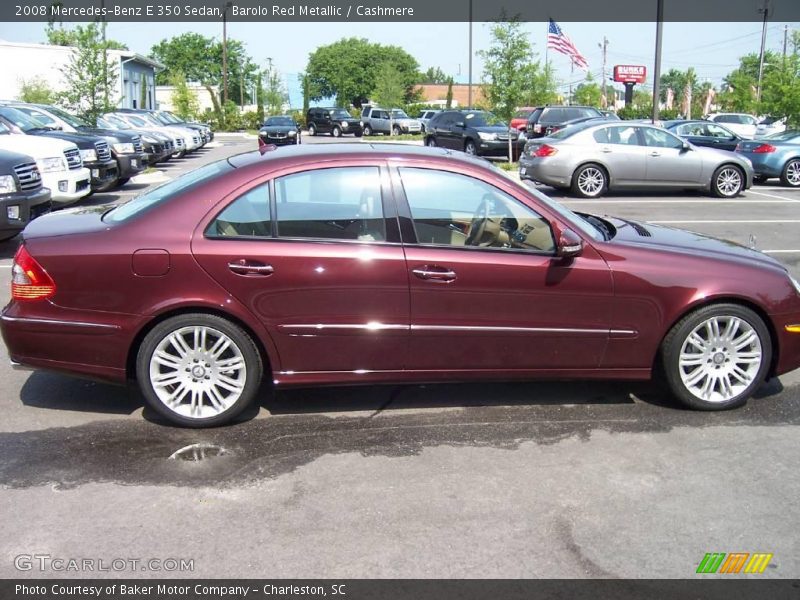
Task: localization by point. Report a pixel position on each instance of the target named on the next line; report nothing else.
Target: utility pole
(604, 46)
(469, 90)
(241, 86)
(225, 54)
(785, 38)
(765, 11)
(657, 66)
(105, 57)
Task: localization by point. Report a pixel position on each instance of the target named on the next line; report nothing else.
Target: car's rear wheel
(198, 370)
(122, 181)
(396, 130)
(727, 182)
(589, 181)
(791, 173)
(717, 356)
(367, 130)
(470, 148)
(336, 132)
(312, 130)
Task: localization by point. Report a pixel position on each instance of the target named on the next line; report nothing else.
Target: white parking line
(781, 251)
(726, 221)
(771, 196)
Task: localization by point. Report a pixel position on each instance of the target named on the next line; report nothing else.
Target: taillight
(764, 149)
(29, 281)
(545, 150)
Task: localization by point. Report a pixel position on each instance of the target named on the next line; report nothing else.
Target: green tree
(390, 90)
(184, 99)
(449, 98)
(58, 36)
(37, 91)
(275, 95)
(434, 75)
(543, 88)
(588, 93)
(780, 96)
(510, 70)
(90, 78)
(350, 69)
(199, 58)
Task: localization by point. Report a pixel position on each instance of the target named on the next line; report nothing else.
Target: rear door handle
(654, 153)
(606, 150)
(244, 267)
(434, 273)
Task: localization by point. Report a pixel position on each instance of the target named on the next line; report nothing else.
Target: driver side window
(449, 209)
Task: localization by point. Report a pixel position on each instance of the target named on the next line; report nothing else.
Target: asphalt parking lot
(474, 481)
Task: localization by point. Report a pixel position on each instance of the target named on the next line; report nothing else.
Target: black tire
(396, 130)
(336, 132)
(106, 187)
(430, 141)
(589, 181)
(674, 342)
(422, 128)
(312, 130)
(243, 342)
(718, 187)
(470, 148)
(122, 181)
(359, 133)
(367, 130)
(790, 176)
(760, 179)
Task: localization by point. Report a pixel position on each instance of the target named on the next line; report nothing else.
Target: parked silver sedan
(593, 157)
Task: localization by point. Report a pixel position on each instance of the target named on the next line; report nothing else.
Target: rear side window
(247, 216)
(336, 204)
(601, 136)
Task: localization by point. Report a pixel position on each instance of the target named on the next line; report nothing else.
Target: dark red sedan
(350, 264)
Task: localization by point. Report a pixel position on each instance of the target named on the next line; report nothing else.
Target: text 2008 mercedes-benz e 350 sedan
(370, 264)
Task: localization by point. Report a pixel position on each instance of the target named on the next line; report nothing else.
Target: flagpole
(571, 75)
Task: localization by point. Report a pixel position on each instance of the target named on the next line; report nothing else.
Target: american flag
(558, 41)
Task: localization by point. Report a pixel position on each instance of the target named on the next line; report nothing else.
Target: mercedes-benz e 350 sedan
(350, 264)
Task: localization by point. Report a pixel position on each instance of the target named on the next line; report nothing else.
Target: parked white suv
(59, 164)
(741, 123)
(395, 121)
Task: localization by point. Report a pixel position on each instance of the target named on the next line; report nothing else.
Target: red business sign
(630, 73)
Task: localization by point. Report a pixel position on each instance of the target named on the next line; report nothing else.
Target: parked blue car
(777, 155)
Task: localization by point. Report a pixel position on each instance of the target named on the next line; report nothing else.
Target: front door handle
(247, 268)
(654, 153)
(434, 273)
(605, 150)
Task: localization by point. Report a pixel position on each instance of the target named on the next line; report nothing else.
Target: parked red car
(520, 119)
(344, 264)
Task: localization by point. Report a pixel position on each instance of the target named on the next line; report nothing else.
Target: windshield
(483, 119)
(139, 122)
(399, 114)
(340, 113)
(789, 135)
(279, 121)
(116, 122)
(569, 131)
(165, 192)
(522, 114)
(4, 130)
(25, 122)
(67, 118)
(169, 117)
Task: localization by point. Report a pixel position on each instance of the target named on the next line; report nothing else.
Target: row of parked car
(50, 158)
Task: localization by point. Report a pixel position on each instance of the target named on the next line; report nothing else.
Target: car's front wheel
(198, 370)
(336, 132)
(727, 182)
(430, 141)
(791, 173)
(396, 130)
(470, 147)
(589, 181)
(312, 130)
(367, 130)
(717, 356)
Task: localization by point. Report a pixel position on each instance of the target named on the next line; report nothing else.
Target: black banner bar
(399, 589)
(395, 10)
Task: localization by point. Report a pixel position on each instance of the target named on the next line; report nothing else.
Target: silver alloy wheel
(470, 148)
(720, 358)
(729, 181)
(793, 173)
(591, 181)
(197, 372)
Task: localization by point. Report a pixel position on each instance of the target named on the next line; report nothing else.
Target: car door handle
(246, 268)
(654, 153)
(434, 274)
(606, 150)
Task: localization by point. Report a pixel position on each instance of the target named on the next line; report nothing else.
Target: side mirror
(570, 244)
(460, 124)
(686, 146)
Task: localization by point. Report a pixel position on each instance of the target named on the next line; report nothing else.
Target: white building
(24, 62)
(164, 96)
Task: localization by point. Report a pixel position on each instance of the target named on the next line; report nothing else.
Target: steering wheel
(479, 222)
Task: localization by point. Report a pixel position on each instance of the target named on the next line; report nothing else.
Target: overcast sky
(712, 48)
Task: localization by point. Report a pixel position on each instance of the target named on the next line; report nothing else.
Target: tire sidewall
(246, 345)
(674, 341)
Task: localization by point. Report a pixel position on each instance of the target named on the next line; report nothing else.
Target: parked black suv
(95, 152)
(545, 120)
(22, 197)
(472, 131)
(126, 147)
(336, 121)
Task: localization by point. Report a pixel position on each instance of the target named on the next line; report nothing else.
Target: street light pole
(765, 11)
(604, 46)
(657, 66)
(225, 54)
(469, 87)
